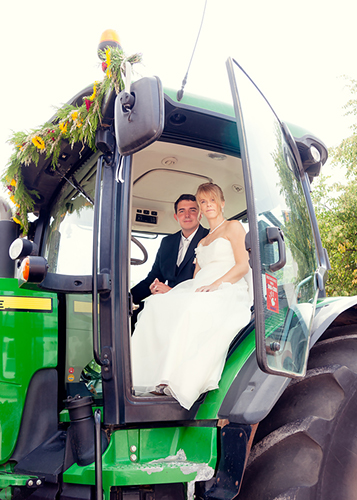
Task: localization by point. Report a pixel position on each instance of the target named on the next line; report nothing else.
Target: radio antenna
(184, 81)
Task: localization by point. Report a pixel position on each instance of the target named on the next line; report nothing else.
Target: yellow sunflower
(92, 97)
(107, 60)
(38, 142)
(63, 127)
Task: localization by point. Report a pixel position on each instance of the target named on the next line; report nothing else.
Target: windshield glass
(68, 247)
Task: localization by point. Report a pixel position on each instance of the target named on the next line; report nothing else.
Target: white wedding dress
(182, 337)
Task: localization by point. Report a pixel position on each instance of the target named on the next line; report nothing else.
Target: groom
(174, 261)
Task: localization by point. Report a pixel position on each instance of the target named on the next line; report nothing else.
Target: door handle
(276, 234)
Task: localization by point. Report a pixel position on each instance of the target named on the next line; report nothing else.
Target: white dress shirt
(184, 244)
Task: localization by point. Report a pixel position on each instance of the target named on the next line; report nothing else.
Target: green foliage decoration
(76, 124)
(336, 211)
(296, 221)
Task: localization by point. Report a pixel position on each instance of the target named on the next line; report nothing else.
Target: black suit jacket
(165, 268)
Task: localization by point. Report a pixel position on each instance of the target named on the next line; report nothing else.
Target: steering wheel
(138, 262)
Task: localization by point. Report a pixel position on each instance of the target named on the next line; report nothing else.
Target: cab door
(280, 240)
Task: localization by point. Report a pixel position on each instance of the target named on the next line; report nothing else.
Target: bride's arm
(197, 268)
(235, 233)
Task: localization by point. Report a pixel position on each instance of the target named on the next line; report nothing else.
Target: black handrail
(98, 455)
(96, 353)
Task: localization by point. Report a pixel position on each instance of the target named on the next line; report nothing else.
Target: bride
(182, 337)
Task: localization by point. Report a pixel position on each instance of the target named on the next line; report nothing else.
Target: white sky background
(295, 51)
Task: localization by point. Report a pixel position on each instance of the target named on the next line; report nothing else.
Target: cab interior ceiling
(164, 171)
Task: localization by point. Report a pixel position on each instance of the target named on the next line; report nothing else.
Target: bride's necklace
(213, 230)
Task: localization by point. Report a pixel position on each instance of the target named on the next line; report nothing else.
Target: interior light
(217, 156)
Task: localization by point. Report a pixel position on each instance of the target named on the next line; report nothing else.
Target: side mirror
(139, 116)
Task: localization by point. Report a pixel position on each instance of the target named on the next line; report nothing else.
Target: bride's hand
(208, 288)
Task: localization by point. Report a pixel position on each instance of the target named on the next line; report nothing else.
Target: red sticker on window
(272, 293)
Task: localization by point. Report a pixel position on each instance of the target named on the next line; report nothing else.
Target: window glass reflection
(68, 247)
(289, 294)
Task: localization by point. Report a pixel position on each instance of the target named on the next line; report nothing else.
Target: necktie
(182, 251)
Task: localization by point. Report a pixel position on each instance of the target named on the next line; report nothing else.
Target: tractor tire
(306, 448)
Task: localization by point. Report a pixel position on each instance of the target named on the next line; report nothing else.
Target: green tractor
(282, 423)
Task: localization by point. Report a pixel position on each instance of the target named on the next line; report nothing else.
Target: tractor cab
(100, 229)
(100, 218)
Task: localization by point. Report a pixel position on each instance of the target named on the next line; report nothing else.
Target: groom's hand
(158, 287)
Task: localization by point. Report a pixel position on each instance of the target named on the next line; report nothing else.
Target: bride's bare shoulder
(201, 242)
(234, 226)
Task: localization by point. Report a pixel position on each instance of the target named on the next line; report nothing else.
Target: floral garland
(74, 123)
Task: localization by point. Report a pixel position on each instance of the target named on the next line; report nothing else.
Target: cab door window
(283, 252)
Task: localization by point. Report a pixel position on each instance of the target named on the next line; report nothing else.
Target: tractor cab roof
(195, 121)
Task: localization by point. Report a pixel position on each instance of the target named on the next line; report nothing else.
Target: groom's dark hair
(188, 197)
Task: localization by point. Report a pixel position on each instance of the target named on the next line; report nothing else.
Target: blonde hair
(208, 188)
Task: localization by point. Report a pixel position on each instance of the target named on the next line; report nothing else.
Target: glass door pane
(283, 255)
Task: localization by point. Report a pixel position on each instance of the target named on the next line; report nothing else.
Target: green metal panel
(153, 456)
(79, 342)
(298, 131)
(202, 102)
(7, 480)
(28, 337)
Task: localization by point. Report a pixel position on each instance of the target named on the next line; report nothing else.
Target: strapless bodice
(219, 251)
(214, 260)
